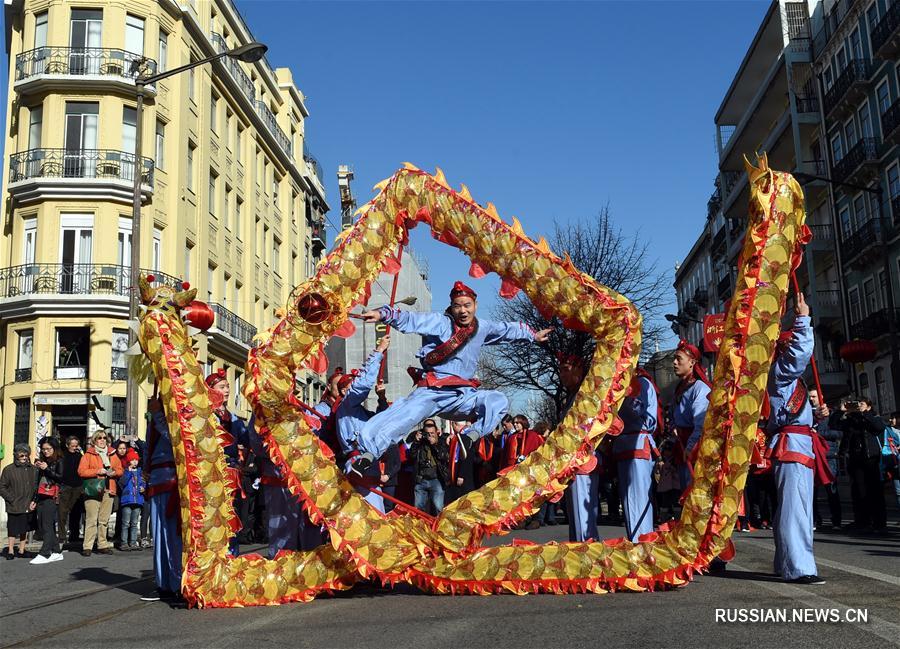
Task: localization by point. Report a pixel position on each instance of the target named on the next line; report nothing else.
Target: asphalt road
(95, 602)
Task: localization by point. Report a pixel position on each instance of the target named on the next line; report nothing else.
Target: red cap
(688, 348)
(215, 377)
(347, 379)
(459, 289)
(130, 455)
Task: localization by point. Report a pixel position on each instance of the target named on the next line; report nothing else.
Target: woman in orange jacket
(97, 463)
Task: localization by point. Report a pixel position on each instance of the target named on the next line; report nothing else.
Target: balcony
(822, 232)
(848, 89)
(701, 297)
(807, 105)
(313, 164)
(719, 243)
(859, 164)
(318, 239)
(890, 122)
(828, 304)
(94, 174)
(875, 325)
(714, 204)
(863, 246)
(80, 68)
(268, 118)
(723, 288)
(886, 35)
(229, 323)
(234, 68)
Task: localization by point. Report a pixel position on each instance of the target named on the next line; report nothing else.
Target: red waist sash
(430, 380)
(818, 463)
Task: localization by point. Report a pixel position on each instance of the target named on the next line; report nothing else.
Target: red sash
(424, 379)
(460, 336)
(818, 463)
(645, 453)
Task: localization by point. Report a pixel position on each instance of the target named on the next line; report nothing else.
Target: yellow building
(233, 203)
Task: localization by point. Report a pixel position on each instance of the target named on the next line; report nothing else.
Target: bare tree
(600, 249)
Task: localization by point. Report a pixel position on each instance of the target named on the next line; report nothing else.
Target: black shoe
(85, 553)
(104, 551)
(807, 580)
(718, 566)
(361, 463)
(10, 556)
(157, 595)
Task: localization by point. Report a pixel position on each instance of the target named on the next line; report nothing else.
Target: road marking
(862, 572)
(876, 625)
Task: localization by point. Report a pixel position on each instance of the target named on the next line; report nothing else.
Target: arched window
(884, 403)
(864, 385)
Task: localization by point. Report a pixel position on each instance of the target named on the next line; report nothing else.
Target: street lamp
(680, 321)
(249, 53)
(886, 269)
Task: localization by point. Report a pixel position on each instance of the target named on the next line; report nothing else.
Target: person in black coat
(861, 450)
(461, 478)
(46, 492)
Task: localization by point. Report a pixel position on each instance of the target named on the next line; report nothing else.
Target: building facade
(856, 54)
(233, 202)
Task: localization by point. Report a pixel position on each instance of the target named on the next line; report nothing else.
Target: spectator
(131, 501)
(861, 449)
(760, 490)
(120, 448)
(431, 467)
(45, 497)
(519, 446)
(462, 464)
(70, 489)
(99, 470)
(890, 453)
(17, 489)
(389, 467)
(832, 437)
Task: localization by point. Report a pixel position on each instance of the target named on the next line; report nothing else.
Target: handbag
(50, 490)
(94, 487)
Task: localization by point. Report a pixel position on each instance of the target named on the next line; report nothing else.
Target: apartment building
(855, 52)
(233, 201)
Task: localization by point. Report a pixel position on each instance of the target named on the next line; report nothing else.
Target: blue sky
(548, 110)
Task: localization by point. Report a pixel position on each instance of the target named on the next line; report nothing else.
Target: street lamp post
(249, 53)
(878, 191)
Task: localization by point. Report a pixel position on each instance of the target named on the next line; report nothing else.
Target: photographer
(431, 467)
(861, 451)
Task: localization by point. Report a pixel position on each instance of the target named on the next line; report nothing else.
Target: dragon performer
(445, 555)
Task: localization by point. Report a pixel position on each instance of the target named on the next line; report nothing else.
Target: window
(837, 151)
(292, 270)
(882, 288)
(235, 297)
(869, 297)
(134, 34)
(30, 240)
(213, 113)
(865, 120)
(883, 402)
(238, 216)
(893, 178)
(265, 244)
(226, 212)
(238, 143)
(238, 385)
(226, 284)
(846, 225)
(257, 233)
(157, 249)
(190, 165)
(192, 80)
(73, 346)
(828, 78)
(75, 249)
(26, 355)
(85, 36)
(35, 125)
(855, 307)
(129, 129)
(212, 192)
(188, 249)
(276, 256)
(850, 133)
(119, 362)
(841, 59)
(228, 129)
(40, 30)
(22, 425)
(124, 242)
(859, 211)
(864, 385)
(856, 44)
(160, 145)
(883, 97)
(163, 55)
(275, 182)
(82, 125)
(210, 282)
(872, 16)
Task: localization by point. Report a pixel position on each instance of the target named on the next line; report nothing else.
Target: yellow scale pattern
(447, 557)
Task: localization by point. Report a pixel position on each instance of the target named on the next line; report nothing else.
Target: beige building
(233, 202)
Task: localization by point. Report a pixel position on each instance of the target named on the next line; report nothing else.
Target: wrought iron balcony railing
(268, 118)
(807, 104)
(822, 232)
(886, 26)
(875, 324)
(82, 61)
(234, 326)
(71, 279)
(866, 237)
(856, 72)
(318, 240)
(81, 163)
(830, 24)
(234, 68)
(865, 150)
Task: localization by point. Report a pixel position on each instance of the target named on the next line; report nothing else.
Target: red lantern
(314, 308)
(199, 314)
(858, 351)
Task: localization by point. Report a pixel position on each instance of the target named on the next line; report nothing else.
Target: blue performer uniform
(448, 387)
(352, 416)
(634, 451)
(162, 492)
(689, 411)
(791, 446)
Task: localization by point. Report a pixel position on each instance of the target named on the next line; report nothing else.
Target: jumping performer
(446, 385)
